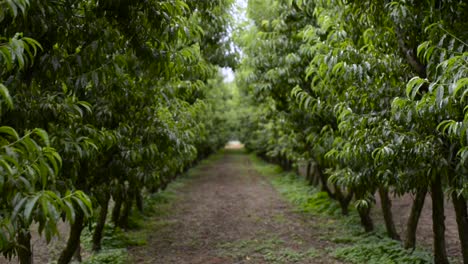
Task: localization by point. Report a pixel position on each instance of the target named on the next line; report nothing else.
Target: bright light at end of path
(234, 144)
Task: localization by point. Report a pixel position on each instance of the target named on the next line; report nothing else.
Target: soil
(228, 213)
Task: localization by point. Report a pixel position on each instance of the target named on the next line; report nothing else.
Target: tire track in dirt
(228, 213)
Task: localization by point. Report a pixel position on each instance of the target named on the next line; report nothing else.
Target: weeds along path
(228, 213)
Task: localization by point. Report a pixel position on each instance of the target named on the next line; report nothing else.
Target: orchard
(106, 103)
(371, 95)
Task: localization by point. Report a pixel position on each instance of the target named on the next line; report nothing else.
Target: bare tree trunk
(412, 224)
(139, 201)
(410, 55)
(342, 199)
(97, 235)
(127, 208)
(324, 181)
(117, 206)
(164, 183)
(25, 255)
(459, 203)
(77, 254)
(73, 240)
(386, 204)
(438, 221)
(366, 220)
(315, 177)
(308, 173)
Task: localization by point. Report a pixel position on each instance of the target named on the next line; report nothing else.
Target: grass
(111, 256)
(272, 250)
(351, 243)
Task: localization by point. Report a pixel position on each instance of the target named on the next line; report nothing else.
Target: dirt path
(228, 213)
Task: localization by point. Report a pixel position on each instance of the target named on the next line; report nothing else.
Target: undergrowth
(351, 243)
(270, 250)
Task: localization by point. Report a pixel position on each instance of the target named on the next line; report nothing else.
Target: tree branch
(411, 58)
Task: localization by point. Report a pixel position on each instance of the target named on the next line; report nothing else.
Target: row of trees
(371, 94)
(103, 100)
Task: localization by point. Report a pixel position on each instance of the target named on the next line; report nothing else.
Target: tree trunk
(97, 235)
(366, 220)
(308, 173)
(164, 183)
(412, 224)
(139, 201)
(386, 204)
(127, 208)
(459, 203)
(315, 179)
(410, 55)
(343, 200)
(116, 210)
(438, 221)
(73, 240)
(344, 207)
(284, 163)
(324, 181)
(24, 250)
(77, 254)
(364, 213)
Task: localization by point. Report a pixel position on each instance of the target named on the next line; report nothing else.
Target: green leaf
(5, 95)
(33, 43)
(413, 86)
(18, 207)
(85, 105)
(422, 47)
(439, 95)
(69, 211)
(299, 3)
(459, 85)
(6, 167)
(442, 127)
(30, 206)
(7, 56)
(17, 47)
(83, 201)
(13, 8)
(9, 131)
(43, 135)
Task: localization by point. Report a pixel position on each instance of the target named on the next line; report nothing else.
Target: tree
(125, 92)
(369, 123)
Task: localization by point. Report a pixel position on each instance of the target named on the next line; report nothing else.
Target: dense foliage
(103, 100)
(370, 94)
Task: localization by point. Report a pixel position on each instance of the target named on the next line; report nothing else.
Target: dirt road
(228, 213)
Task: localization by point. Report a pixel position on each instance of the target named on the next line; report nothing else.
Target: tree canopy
(369, 93)
(103, 99)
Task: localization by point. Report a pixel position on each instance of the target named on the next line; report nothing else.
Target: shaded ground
(42, 252)
(230, 214)
(401, 207)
